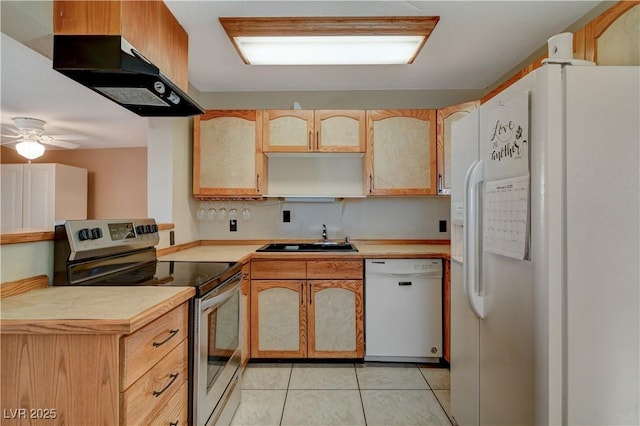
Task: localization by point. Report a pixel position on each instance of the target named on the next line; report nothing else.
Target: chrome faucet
(324, 233)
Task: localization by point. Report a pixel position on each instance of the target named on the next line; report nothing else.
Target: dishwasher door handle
(405, 283)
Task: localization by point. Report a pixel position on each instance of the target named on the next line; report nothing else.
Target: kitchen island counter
(88, 310)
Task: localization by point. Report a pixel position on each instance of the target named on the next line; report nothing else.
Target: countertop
(366, 250)
(88, 310)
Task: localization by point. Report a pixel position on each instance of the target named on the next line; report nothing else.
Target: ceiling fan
(30, 138)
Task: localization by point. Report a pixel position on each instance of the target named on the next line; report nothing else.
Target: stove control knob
(154, 228)
(84, 234)
(96, 233)
(147, 229)
(140, 229)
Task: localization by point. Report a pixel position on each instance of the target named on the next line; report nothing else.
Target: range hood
(110, 66)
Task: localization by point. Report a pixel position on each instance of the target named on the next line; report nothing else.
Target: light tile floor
(343, 394)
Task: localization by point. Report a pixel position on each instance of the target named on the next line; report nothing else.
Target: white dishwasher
(403, 310)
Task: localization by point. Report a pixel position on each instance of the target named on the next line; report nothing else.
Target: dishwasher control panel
(404, 266)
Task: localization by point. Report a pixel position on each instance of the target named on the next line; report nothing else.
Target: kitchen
(170, 203)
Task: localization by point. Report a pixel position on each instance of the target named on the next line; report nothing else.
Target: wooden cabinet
(148, 25)
(245, 314)
(37, 195)
(446, 310)
(314, 131)
(140, 378)
(445, 118)
(305, 309)
(612, 38)
(401, 152)
(227, 154)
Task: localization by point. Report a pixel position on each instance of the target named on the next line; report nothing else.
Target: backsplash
(366, 218)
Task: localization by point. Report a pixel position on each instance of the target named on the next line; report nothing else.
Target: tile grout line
(436, 396)
(286, 394)
(364, 413)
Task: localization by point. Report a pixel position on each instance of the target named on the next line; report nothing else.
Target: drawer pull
(173, 376)
(171, 334)
(174, 423)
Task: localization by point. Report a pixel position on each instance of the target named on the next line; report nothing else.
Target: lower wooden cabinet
(91, 379)
(245, 314)
(307, 318)
(446, 310)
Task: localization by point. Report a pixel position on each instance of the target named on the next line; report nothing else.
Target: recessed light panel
(329, 41)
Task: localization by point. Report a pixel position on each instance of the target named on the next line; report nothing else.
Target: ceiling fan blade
(61, 144)
(11, 136)
(69, 137)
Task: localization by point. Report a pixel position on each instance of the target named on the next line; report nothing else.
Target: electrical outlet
(233, 225)
(442, 225)
(286, 216)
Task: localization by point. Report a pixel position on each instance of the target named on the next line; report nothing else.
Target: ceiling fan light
(30, 149)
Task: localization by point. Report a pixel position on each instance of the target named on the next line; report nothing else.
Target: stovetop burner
(203, 276)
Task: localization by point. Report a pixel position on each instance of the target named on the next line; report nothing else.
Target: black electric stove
(122, 252)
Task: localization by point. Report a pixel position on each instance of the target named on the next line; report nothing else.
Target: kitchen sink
(308, 247)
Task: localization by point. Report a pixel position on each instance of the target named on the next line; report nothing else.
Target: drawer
(342, 269)
(176, 410)
(278, 269)
(155, 389)
(141, 350)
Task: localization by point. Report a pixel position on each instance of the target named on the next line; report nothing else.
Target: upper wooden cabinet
(612, 38)
(401, 152)
(148, 25)
(446, 117)
(227, 154)
(314, 131)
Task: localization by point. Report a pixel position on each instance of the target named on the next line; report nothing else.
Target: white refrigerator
(545, 309)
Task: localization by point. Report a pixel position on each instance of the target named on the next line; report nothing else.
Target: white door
(39, 196)
(603, 245)
(11, 196)
(465, 373)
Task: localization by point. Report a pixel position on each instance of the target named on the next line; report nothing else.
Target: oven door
(217, 349)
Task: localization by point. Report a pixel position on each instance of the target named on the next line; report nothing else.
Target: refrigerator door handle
(471, 227)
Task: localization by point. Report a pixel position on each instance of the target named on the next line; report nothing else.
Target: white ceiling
(473, 45)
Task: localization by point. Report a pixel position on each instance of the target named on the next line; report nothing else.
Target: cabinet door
(336, 322)
(227, 155)
(11, 196)
(340, 131)
(245, 314)
(446, 309)
(401, 152)
(612, 38)
(279, 319)
(287, 131)
(38, 196)
(446, 117)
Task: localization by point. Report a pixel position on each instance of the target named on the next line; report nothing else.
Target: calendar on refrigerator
(506, 217)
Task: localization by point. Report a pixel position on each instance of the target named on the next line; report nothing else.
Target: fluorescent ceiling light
(329, 41)
(329, 50)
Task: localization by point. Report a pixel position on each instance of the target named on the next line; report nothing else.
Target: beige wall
(117, 178)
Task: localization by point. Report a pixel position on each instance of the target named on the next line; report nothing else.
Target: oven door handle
(230, 288)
